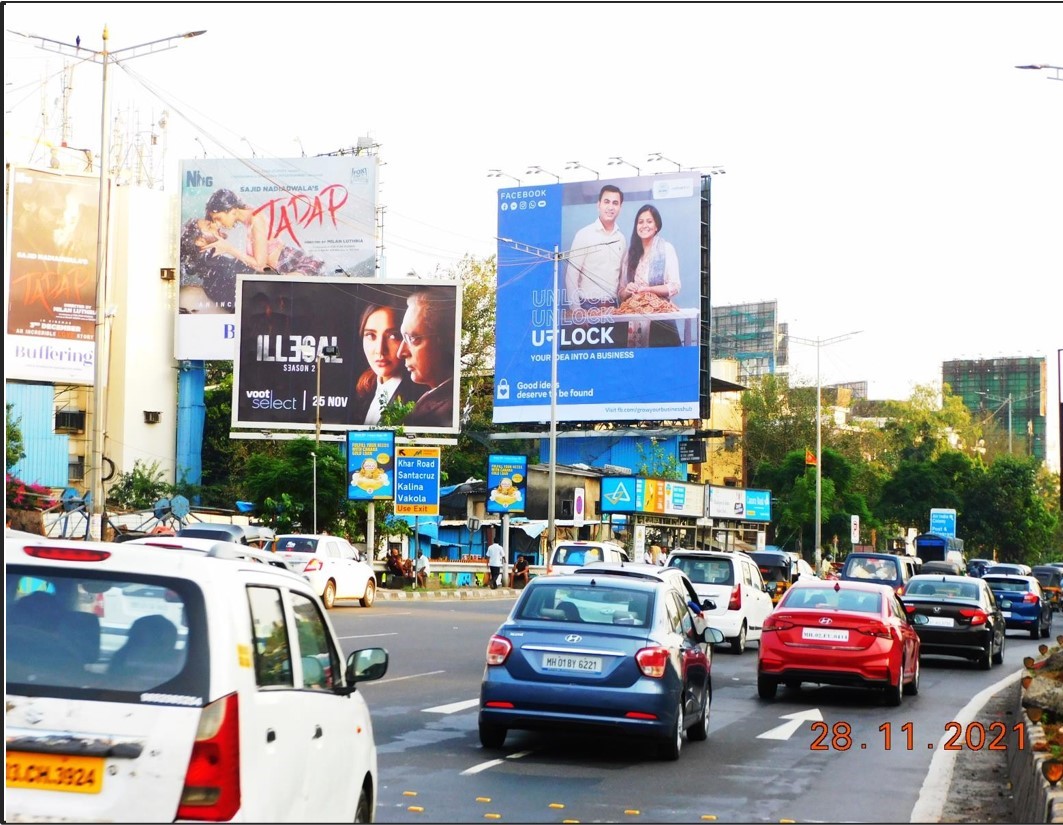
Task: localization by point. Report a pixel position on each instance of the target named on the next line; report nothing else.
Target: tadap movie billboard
(295, 216)
(51, 292)
(394, 341)
(628, 258)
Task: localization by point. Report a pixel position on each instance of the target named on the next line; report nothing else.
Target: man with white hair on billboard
(428, 349)
(592, 279)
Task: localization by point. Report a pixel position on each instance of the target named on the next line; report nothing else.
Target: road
(864, 762)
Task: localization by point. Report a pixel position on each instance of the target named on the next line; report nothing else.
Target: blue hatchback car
(1022, 602)
(604, 653)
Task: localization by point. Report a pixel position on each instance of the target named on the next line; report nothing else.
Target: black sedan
(963, 617)
(601, 653)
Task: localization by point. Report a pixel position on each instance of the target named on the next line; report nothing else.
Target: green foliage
(1003, 510)
(283, 486)
(140, 488)
(656, 462)
(13, 439)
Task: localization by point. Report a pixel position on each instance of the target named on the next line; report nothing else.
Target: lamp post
(101, 339)
(1036, 66)
(327, 352)
(1010, 401)
(656, 156)
(555, 320)
(575, 164)
(616, 160)
(498, 173)
(538, 170)
(819, 343)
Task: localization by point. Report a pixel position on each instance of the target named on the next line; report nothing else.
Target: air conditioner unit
(152, 416)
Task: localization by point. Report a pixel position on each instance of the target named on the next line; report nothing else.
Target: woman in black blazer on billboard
(385, 379)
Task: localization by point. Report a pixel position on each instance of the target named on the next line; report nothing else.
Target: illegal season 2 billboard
(394, 341)
(294, 216)
(627, 255)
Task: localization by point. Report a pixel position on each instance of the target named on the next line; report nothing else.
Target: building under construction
(752, 335)
(1010, 391)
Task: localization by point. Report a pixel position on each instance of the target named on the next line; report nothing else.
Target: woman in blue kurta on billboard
(651, 268)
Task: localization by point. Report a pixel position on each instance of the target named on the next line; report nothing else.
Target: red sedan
(840, 633)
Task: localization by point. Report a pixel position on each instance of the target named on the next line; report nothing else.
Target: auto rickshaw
(1051, 579)
(777, 569)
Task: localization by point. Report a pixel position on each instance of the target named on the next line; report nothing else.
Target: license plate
(576, 664)
(940, 621)
(823, 634)
(55, 772)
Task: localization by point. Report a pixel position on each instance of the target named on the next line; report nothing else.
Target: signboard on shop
(633, 494)
(738, 504)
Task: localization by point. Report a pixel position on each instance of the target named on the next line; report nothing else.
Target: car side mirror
(366, 665)
(713, 636)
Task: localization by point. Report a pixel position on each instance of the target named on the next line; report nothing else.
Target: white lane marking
(453, 707)
(788, 729)
(519, 754)
(935, 790)
(368, 635)
(483, 766)
(411, 676)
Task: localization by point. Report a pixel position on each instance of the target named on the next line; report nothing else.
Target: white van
(570, 555)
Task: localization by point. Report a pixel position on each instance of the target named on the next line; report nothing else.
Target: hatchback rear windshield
(119, 637)
(1006, 584)
(860, 567)
(828, 598)
(288, 544)
(705, 571)
(589, 603)
(576, 554)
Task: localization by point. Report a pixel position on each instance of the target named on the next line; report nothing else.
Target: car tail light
(735, 602)
(876, 629)
(976, 616)
(652, 661)
(910, 608)
(1030, 597)
(498, 649)
(776, 623)
(68, 553)
(312, 565)
(212, 782)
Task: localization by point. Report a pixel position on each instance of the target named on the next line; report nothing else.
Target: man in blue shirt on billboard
(592, 279)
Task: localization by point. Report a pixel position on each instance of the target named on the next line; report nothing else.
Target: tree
(1004, 510)
(282, 486)
(656, 462)
(778, 419)
(140, 488)
(13, 439)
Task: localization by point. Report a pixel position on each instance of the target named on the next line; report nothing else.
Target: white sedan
(331, 565)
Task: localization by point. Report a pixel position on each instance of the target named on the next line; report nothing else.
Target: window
(321, 663)
(273, 655)
(70, 421)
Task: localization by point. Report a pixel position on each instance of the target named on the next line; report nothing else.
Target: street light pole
(313, 455)
(556, 256)
(819, 343)
(328, 352)
(101, 339)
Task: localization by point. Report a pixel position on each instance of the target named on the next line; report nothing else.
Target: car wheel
(895, 692)
(699, 731)
(362, 813)
(370, 594)
(766, 686)
(912, 688)
(998, 657)
(738, 643)
(985, 661)
(673, 742)
(329, 596)
(492, 736)
(1047, 628)
(1035, 631)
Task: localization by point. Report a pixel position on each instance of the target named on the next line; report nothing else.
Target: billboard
(507, 479)
(394, 341)
(51, 291)
(738, 504)
(634, 494)
(626, 255)
(371, 465)
(296, 216)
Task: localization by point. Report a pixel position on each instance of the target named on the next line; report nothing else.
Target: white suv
(330, 564)
(733, 582)
(152, 684)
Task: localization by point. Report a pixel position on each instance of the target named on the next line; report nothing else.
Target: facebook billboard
(625, 256)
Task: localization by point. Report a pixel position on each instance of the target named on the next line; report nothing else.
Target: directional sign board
(417, 481)
(943, 521)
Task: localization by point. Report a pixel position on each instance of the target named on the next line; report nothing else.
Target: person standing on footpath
(495, 559)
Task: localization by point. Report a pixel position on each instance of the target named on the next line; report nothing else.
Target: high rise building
(752, 335)
(1011, 391)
